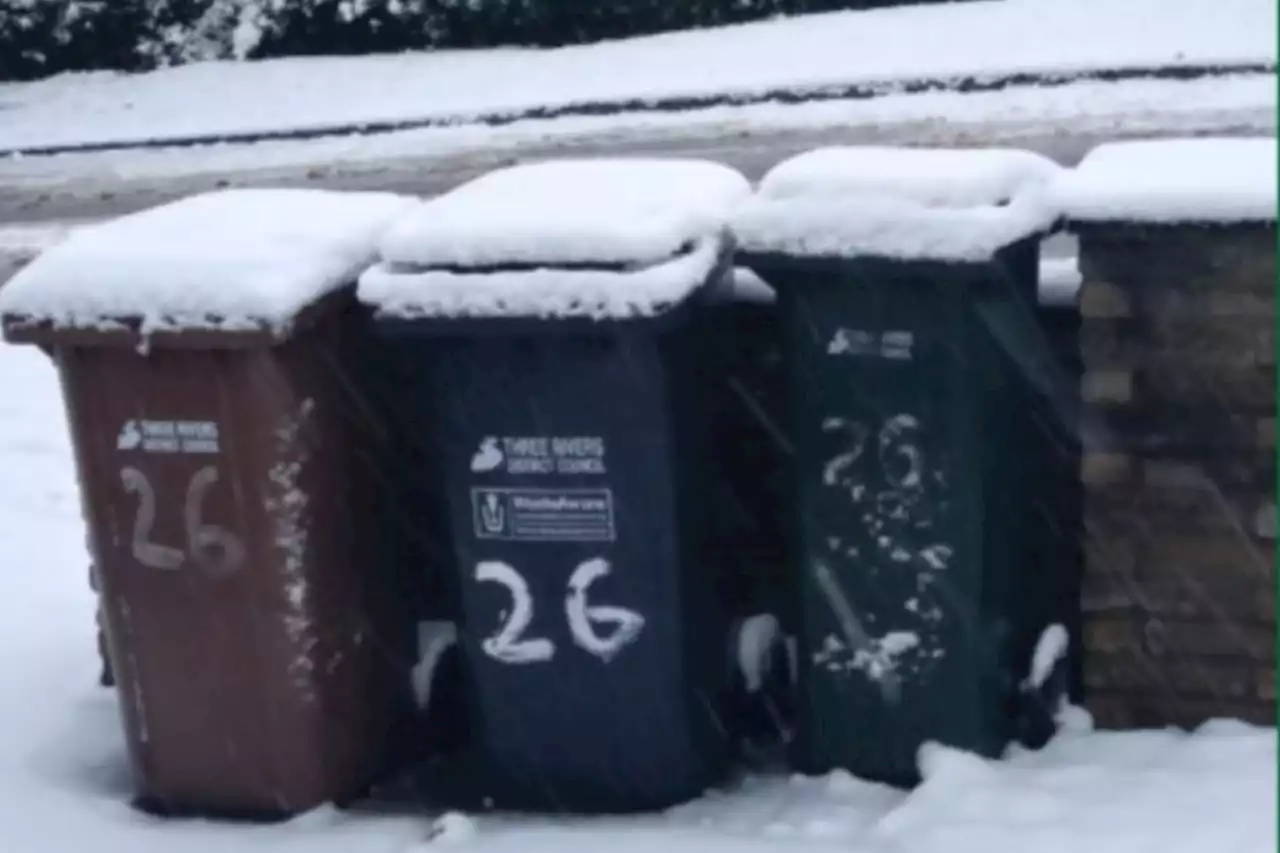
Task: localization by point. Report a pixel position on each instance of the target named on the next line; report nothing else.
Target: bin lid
(248, 263)
(1170, 181)
(902, 203)
(601, 237)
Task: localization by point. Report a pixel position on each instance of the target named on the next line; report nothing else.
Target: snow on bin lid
(237, 259)
(1172, 180)
(599, 238)
(544, 292)
(909, 203)
(561, 212)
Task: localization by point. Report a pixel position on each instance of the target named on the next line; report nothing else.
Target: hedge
(43, 37)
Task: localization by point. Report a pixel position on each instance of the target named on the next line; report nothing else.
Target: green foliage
(44, 37)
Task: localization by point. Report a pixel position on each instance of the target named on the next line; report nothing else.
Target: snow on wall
(226, 259)
(956, 205)
(1172, 180)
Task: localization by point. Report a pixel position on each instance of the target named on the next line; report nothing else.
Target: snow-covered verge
(1061, 121)
(979, 40)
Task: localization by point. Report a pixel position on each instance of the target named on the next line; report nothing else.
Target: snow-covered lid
(908, 203)
(933, 177)
(565, 212)
(746, 286)
(237, 259)
(606, 238)
(1173, 180)
(543, 292)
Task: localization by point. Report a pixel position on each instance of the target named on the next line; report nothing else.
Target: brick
(1180, 679)
(1247, 389)
(1192, 712)
(1264, 521)
(1183, 595)
(1109, 634)
(1266, 686)
(1178, 337)
(1107, 386)
(1183, 432)
(1100, 298)
(1225, 304)
(1215, 642)
(1168, 473)
(1208, 558)
(1114, 710)
(1109, 581)
(1103, 468)
(1266, 433)
(1132, 709)
(1148, 512)
(1106, 553)
(1196, 258)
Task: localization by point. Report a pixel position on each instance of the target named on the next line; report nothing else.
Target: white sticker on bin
(567, 455)
(543, 515)
(146, 436)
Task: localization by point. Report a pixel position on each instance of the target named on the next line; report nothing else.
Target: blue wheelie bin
(551, 317)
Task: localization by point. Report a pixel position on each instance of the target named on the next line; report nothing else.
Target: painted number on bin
(900, 457)
(212, 548)
(900, 500)
(621, 627)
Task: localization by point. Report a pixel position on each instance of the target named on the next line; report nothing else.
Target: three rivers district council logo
(542, 511)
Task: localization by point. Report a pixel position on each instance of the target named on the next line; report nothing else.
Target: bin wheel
(435, 638)
(106, 674)
(753, 641)
(762, 683)
(1038, 708)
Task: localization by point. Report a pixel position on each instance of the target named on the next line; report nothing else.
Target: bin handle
(435, 637)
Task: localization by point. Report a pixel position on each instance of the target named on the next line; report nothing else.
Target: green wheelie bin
(925, 404)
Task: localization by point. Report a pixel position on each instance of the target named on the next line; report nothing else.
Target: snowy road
(750, 139)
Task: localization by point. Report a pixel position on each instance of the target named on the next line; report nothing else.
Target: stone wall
(1178, 347)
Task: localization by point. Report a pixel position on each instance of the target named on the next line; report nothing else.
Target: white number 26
(214, 549)
(509, 643)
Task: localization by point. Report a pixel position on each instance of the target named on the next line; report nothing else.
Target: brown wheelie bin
(211, 357)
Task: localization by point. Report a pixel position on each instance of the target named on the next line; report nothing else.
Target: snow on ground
(979, 39)
(64, 781)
